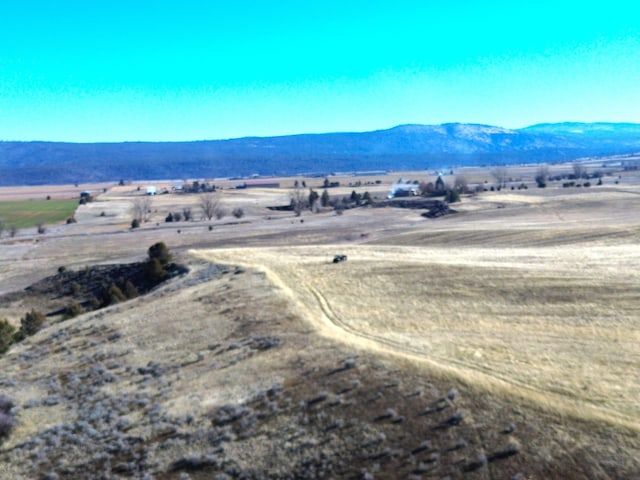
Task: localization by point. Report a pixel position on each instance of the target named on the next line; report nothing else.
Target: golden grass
(558, 325)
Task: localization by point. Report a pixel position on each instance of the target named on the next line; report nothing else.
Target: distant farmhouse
(152, 190)
(403, 189)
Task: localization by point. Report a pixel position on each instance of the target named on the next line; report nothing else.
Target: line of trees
(209, 204)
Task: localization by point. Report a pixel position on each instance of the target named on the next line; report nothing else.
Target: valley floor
(498, 342)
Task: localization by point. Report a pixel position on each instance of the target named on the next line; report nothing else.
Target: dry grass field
(556, 325)
(497, 342)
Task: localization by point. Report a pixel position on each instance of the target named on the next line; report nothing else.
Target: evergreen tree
(7, 332)
(324, 199)
(30, 324)
(155, 271)
(160, 252)
(313, 197)
(130, 289)
(452, 196)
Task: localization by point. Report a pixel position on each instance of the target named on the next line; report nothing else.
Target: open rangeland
(497, 342)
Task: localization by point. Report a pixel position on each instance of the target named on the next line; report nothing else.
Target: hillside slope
(247, 389)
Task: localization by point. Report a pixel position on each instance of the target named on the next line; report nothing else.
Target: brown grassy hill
(196, 379)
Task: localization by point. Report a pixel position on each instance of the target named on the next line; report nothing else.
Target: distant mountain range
(406, 147)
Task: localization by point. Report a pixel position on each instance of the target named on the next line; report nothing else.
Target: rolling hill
(400, 148)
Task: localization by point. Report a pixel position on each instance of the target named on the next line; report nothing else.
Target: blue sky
(191, 70)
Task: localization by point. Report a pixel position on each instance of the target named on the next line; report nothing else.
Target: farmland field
(24, 214)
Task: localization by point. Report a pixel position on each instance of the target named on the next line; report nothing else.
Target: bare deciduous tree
(3, 225)
(501, 175)
(298, 200)
(579, 170)
(461, 184)
(542, 176)
(221, 213)
(209, 203)
(140, 208)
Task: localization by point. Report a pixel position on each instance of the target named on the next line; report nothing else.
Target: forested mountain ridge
(399, 148)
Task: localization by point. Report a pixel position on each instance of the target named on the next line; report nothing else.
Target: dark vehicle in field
(339, 258)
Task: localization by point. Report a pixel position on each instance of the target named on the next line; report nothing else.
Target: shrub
(7, 423)
(113, 295)
(155, 271)
(130, 289)
(238, 212)
(71, 220)
(506, 451)
(73, 310)
(135, 223)
(452, 196)
(75, 288)
(41, 228)
(160, 252)
(7, 333)
(169, 218)
(62, 269)
(6, 404)
(94, 303)
(30, 324)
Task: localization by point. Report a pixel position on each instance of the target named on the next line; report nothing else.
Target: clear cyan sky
(117, 70)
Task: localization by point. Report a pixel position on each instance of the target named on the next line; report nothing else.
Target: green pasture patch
(28, 213)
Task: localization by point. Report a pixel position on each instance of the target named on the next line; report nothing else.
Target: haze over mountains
(406, 147)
